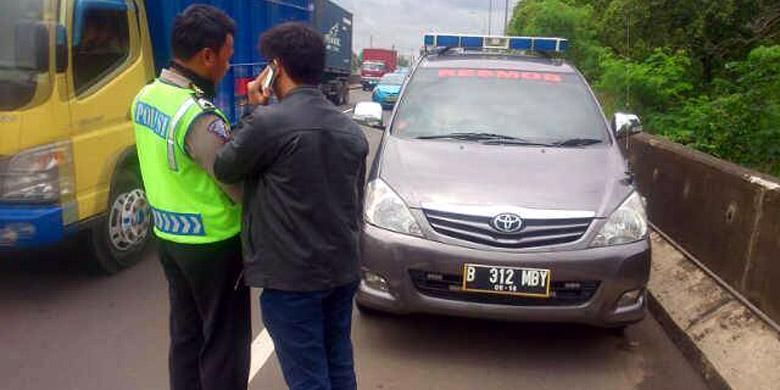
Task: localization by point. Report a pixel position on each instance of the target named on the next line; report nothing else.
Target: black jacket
(303, 165)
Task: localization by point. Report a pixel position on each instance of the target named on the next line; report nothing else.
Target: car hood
(388, 89)
(442, 172)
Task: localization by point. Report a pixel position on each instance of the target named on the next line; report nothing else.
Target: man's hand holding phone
(260, 89)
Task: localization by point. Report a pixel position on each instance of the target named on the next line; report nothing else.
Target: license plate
(527, 282)
(391, 99)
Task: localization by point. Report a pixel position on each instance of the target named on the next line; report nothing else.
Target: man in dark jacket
(302, 162)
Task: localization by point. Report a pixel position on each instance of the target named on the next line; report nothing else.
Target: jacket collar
(304, 89)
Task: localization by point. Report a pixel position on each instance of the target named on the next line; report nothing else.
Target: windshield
(17, 74)
(537, 108)
(374, 66)
(392, 79)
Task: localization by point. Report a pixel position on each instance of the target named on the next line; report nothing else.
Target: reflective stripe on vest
(172, 133)
(179, 224)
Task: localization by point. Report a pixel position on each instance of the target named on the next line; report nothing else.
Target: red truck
(376, 63)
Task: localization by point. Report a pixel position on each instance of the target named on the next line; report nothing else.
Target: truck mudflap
(23, 227)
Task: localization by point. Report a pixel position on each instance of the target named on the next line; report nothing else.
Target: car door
(107, 69)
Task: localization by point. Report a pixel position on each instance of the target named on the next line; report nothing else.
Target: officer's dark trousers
(210, 319)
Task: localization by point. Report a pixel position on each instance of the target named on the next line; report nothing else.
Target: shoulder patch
(219, 128)
(205, 104)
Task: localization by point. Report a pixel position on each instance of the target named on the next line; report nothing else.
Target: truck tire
(345, 96)
(120, 239)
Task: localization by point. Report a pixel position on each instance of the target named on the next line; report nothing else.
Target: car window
(392, 79)
(374, 66)
(104, 45)
(539, 107)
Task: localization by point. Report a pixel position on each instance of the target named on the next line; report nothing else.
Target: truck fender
(128, 158)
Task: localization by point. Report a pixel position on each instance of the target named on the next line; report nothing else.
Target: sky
(404, 22)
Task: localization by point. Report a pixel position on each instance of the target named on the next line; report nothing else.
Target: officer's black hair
(199, 27)
(300, 49)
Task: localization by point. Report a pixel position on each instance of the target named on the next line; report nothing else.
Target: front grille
(444, 286)
(535, 232)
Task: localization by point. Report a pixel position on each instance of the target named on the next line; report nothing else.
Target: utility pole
(506, 18)
(490, 18)
(371, 41)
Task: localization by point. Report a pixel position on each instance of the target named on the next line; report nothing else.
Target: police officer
(197, 220)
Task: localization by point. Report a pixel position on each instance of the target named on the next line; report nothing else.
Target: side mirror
(624, 124)
(32, 46)
(61, 48)
(369, 114)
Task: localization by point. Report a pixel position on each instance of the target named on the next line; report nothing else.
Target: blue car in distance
(387, 90)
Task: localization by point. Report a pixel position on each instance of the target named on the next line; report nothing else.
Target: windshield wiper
(487, 139)
(517, 141)
(574, 142)
(470, 136)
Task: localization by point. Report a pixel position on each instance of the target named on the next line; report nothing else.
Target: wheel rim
(129, 220)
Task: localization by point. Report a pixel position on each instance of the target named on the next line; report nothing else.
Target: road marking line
(262, 349)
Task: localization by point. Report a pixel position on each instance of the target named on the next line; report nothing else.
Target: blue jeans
(311, 334)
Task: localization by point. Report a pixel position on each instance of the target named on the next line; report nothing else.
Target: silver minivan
(500, 191)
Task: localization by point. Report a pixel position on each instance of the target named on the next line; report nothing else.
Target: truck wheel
(345, 98)
(118, 241)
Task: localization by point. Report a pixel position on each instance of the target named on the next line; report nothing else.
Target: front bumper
(401, 260)
(387, 101)
(24, 227)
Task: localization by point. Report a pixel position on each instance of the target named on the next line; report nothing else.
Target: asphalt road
(61, 328)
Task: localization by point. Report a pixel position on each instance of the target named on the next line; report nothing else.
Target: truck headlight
(626, 225)
(43, 174)
(386, 210)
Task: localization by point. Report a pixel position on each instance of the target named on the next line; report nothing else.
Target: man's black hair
(199, 27)
(300, 49)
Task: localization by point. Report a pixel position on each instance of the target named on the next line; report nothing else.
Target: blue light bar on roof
(558, 45)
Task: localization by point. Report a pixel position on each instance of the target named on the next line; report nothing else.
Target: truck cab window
(103, 46)
(19, 78)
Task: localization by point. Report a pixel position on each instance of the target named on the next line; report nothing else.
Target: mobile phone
(269, 80)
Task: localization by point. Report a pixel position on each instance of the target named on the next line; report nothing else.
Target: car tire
(120, 239)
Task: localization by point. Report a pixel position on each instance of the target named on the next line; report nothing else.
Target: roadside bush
(705, 74)
(659, 82)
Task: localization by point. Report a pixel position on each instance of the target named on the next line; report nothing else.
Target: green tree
(701, 72)
(564, 19)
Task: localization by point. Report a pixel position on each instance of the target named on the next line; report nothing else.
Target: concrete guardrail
(724, 215)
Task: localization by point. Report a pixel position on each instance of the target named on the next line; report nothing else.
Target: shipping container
(252, 17)
(335, 24)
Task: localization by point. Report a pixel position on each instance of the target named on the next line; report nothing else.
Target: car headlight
(386, 210)
(626, 225)
(43, 174)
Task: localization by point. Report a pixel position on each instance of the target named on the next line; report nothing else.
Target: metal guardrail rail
(739, 297)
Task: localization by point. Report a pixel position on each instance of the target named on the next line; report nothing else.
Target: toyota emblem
(507, 223)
